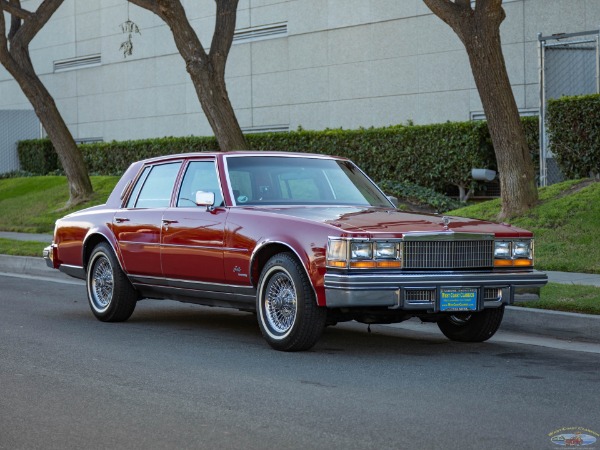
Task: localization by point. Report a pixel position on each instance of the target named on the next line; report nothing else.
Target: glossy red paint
(229, 244)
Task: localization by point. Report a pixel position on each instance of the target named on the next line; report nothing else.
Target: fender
(308, 263)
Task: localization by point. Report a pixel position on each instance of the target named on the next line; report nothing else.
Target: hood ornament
(446, 222)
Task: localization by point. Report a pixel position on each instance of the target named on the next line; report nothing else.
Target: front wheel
(473, 327)
(111, 296)
(287, 311)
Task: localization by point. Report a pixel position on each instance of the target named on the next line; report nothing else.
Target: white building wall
(343, 63)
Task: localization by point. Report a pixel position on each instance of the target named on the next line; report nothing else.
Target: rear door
(137, 226)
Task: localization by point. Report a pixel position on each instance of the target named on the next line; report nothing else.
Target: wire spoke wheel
(111, 296)
(102, 283)
(281, 304)
(287, 311)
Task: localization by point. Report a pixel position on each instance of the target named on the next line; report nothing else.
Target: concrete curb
(29, 265)
(537, 322)
(556, 324)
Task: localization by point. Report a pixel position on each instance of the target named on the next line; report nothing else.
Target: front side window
(156, 187)
(199, 176)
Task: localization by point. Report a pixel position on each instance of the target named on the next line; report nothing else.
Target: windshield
(277, 180)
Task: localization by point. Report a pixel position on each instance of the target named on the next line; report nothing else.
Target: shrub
(434, 156)
(574, 130)
(419, 195)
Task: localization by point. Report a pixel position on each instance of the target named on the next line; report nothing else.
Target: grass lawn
(32, 204)
(566, 224)
(21, 248)
(567, 297)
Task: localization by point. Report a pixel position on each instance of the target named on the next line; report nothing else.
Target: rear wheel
(111, 296)
(287, 311)
(474, 327)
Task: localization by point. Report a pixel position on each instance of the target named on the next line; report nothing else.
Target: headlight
(522, 249)
(513, 253)
(385, 250)
(361, 250)
(363, 254)
(502, 249)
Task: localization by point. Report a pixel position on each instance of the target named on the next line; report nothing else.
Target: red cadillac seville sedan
(305, 241)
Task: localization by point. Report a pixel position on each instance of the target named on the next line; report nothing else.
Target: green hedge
(574, 130)
(435, 156)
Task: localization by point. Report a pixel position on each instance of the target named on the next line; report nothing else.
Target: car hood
(381, 221)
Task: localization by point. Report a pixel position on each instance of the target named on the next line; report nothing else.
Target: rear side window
(154, 188)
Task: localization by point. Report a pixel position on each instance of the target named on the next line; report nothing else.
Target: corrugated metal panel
(15, 126)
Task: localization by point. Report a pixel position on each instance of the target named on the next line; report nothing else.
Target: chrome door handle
(166, 223)
(121, 219)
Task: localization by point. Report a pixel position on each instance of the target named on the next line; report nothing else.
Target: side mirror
(205, 199)
(394, 200)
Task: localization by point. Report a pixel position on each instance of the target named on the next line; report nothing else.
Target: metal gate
(15, 126)
(569, 65)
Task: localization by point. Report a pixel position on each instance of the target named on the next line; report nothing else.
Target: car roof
(237, 153)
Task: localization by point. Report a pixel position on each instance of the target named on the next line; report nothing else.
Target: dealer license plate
(458, 300)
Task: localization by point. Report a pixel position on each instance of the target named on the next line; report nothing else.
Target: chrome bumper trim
(370, 290)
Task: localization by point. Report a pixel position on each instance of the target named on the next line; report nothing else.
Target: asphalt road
(184, 376)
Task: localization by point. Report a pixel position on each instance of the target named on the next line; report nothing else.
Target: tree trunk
(212, 93)
(80, 186)
(207, 71)
(515, 168)
(14, 56)
(478, 27)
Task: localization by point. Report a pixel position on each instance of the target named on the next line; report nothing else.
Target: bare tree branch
(224, 31)
(150, 5)
(443, 9)
(207, 71)
(466, 4)
(31, 27)
(14, 10)
(3, 41)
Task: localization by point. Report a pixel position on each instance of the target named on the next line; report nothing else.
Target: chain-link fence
(15, 125)
(569, 65)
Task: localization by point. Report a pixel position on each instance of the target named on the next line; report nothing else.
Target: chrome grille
(458, 254)
(419, 295)
(492, 293)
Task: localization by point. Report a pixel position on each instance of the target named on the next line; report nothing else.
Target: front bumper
(421, 291)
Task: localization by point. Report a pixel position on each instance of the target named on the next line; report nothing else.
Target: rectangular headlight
(521, 249)
(361, 250)
(502, 250)
(385, 250)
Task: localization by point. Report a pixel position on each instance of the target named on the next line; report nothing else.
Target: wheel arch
(93, 238)
(265, 250)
